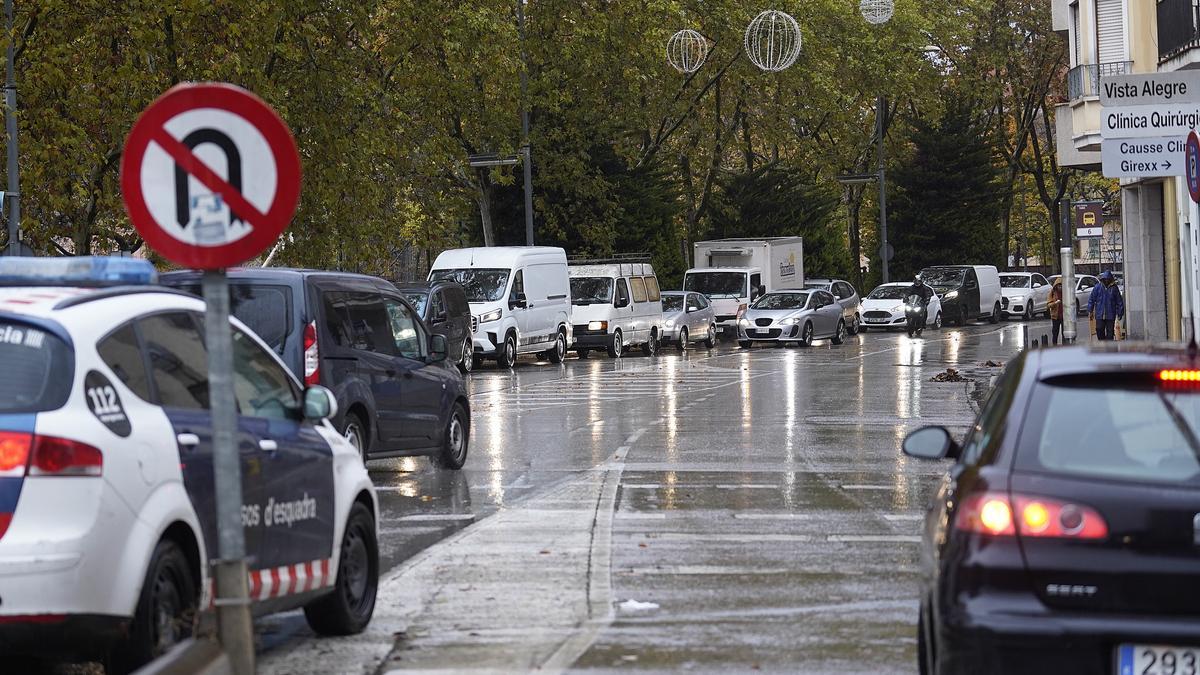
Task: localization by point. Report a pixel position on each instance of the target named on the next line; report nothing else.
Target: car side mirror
(319, 403)
(438, 348)
(440, 318)
(930, 443)
(1037, 284)
(693, 309)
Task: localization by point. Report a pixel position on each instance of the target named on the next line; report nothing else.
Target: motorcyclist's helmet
(918, 279)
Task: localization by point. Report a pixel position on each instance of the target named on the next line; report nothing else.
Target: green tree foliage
(387, 98)
(779, 201)
(947, 206)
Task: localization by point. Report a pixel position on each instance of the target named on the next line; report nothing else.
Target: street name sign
(1143, 157)
(1150, 89)
(1172, 119)
(210, 175)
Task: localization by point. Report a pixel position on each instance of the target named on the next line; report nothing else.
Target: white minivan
(520, 299)
(615, 304)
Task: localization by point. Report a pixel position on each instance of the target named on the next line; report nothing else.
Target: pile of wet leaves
(994, 364)
(950, 375)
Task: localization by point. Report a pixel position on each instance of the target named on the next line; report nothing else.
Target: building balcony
(1178, 33)
(1083, 81)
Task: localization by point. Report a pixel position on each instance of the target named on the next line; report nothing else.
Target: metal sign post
(1070, 311)
(192, 214)
(234, 624)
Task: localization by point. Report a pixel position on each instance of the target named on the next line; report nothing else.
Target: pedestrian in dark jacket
(1055, 307)
(1106, 306)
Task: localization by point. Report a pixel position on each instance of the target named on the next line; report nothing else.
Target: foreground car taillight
(61, 457)
(312, 361)
(993, 513)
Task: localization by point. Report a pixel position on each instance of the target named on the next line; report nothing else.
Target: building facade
(1157, 241)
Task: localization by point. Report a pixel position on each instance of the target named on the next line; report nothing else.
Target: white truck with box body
(734, 272)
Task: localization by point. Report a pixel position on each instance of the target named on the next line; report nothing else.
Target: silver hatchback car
(687, 318)
(846, 296)
(793, 317)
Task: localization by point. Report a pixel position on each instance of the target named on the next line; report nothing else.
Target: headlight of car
(744, 323)
(598, 325)
(950, 296)
(1018, 299)
(493, 315)
(670, 324)
(790, 321)
(898, 308)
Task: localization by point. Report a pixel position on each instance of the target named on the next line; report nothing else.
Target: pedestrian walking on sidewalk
(1106, 306)
(1055, 308)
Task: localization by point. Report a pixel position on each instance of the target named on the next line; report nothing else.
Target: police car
(107, 506)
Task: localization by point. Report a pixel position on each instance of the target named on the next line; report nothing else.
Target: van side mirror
(518, 301)
(438, 348)
(319, 403)
(620, 302)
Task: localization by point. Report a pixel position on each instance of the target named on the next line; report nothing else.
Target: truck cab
(729, 289)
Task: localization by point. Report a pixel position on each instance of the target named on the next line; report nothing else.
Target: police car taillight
(312, 355)
(62, 457)
(14, 453)
(76, 271)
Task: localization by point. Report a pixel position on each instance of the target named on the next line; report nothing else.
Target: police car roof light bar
(86, 271)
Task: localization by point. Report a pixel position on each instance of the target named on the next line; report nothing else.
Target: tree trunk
(484, 199)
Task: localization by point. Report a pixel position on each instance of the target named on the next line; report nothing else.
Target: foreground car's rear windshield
(1136, 431)
(38, 369)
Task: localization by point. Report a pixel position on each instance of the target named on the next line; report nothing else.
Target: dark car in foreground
(444, 308)
(397, 395)
(1066, 537)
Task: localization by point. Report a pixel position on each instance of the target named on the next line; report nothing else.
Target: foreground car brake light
(14, 452)
(312, 354)
(993, 513)
(61, 457)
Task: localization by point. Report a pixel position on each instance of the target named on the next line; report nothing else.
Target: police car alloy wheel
(348, 609)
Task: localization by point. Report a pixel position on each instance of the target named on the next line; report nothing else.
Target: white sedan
(884, 308)
(1024, 294)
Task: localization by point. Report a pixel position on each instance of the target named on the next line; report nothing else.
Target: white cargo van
(615, 303)
(520, 299)
(734, 272)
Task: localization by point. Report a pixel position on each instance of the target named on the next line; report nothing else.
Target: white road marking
(874, 538)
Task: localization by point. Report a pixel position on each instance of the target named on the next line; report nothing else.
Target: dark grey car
(444, 308)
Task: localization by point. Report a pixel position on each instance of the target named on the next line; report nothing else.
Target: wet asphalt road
(707, 511)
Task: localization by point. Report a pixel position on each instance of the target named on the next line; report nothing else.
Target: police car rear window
(38, 369)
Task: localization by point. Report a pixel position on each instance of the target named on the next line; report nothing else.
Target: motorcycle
(916, 310)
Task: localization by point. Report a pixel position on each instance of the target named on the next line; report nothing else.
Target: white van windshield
(716, 284)
(481, 285)
(591, 290)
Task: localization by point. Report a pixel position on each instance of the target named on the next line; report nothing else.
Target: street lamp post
(525, 151)
(10, 115)
(880, 114)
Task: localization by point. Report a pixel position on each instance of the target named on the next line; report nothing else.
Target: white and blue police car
(107, 506)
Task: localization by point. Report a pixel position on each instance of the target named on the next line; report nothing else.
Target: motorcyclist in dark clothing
(919, 287)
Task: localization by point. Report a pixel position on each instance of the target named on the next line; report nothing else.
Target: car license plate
(877, 320)
(1157, 660)
(760, 333)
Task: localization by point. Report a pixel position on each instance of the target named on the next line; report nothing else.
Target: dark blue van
(398, 394)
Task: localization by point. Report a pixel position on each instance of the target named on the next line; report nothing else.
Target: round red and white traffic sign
(210, 175)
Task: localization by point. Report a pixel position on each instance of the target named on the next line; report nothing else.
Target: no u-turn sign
(210, 175)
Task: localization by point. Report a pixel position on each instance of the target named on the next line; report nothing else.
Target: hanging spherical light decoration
(773, 41)
(877, 11)
(687, 50)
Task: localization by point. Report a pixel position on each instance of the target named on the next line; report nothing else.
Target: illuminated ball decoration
(687, 50)
(877, 11)
(773, 41)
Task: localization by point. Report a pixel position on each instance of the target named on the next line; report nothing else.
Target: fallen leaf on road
(951, 375)
(636, 606)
